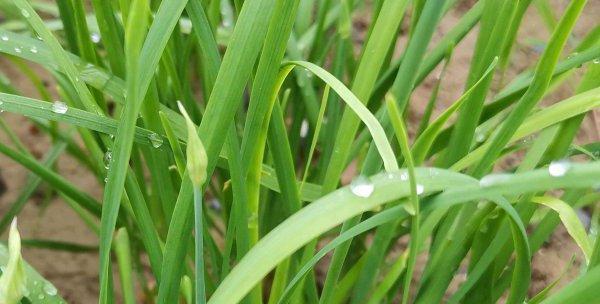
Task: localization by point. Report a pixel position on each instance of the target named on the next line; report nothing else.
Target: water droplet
(33, 49)
(433, 172)
(95, 37)
(539, 48)
(215, 204)
(362, 186)
(308, 73)
(480, 137)
(492, 179)
(107, 159)
(18, 49)
(226, 22)
(4, 38)
(528, 139)
(420, 189)
(253, 221)
(571, 56)
(106, 180)
(39, 38)
(559, 168)
(156, 140)
(404, 176)
(49, 289)
(484, 228)
(59, 107)
(596, 61)
(304, 129)
(41, 297)
(25, 13)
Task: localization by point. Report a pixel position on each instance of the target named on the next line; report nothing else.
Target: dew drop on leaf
(59, 107)
(214, 204)
(559, 168)
(304, 129)
(18, 49)
(420, 189)
(156, 140)
(484, 228)
(4, 38)
(107, 159)
(49, 289)
(480, 137)
(253, 221)
(492, 179)
(362, 186)
(95, 37)
(33, 49)
(25, 13)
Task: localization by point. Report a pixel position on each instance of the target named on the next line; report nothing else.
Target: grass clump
(262, 107)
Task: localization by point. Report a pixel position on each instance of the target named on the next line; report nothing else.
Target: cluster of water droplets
(59, 107)
(47, 290)
(18, 49)
(362, 186)
(107, 159)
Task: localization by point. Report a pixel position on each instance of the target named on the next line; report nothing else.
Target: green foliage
(266, 107)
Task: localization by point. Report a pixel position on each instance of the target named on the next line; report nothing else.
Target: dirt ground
(75, 275)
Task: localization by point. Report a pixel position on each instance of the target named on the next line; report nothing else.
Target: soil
(75, 275)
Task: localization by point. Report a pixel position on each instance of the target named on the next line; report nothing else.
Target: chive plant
(221, 130)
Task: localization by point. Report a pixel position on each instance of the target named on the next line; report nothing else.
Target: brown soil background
(75, 275)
